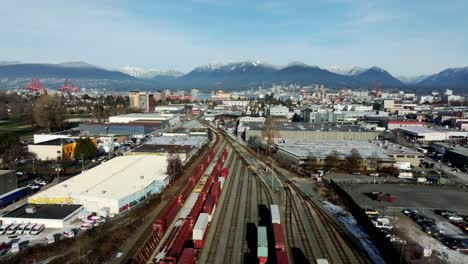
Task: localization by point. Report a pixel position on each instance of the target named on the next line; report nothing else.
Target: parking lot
(429, 201)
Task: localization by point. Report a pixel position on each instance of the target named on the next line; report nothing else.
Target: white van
(4, 228)
(28, 229)
(37, 229)
(21, 228)
(12, 229)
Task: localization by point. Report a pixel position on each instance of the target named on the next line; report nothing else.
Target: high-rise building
(194, 93)
(142, 101)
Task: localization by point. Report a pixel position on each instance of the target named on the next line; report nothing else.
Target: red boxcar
(282, 257)
(209, 204)
(224, 172)
(168, 260)
(169, 213)
(185, 233)
(208, 184)
(216, 190)
(187, 256)
(188, 188)
(197, 208)
(279, 238)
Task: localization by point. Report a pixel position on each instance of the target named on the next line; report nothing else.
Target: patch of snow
(345, 70)
(356, 229)
(142, 73)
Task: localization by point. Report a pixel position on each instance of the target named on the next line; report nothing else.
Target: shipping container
(208, 184)
(216, 191)
(275, 215)
(322, 261)
(198, 207)
(282, 257)
(262, 244)
(224, 173)
(199, 230)
(187, 256)
(187, 208)
(209, 204)
(221, 181)
(279, 238)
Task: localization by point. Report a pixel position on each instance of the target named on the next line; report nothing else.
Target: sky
(404, 37)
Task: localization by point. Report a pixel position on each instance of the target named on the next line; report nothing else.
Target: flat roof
(114, 179)
(194, 124)
(176, 140)
(44, 211)
(141, 115)
(57, 142)
(297, 126)
(420, 130)
(321, 148)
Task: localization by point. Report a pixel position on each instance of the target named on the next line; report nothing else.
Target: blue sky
(404, 37)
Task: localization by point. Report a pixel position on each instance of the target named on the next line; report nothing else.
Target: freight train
(196, 203)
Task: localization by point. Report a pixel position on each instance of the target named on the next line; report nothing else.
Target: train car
(322, 261)
(200, 230)
(209, 207)
(208, 184)
(188, 205)
(282, 257)
(13, 196)
(198, 207)
(187, 256)
(200, 186)
(216, 191)
(189, 187)
(184, 234)
(262, 245)
(221, 181)
(279, 237)
(168, 215)
(275, 215)
(224, 173)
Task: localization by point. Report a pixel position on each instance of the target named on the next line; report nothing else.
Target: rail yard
(237, 208)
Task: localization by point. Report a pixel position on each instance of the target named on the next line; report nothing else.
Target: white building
(279, 111)
(424, 133)
(149, 117)
(117, 184)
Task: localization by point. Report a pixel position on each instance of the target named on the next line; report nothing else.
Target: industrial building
(116, 185)
(8, 181)
(457, 155)
(132, 130)
(301, 153)
(145, 118)
(50, 215)
(423, 134)
(183, 145)
(310, 131)
(55, 149)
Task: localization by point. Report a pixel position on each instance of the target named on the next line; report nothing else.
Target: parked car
(4, 228)
(453, 217)
(370, 212)
(12, 229)
(21, 228)
(444, 212)
(40, 182)
(33, 186)
(29, 228)
(69, 233)
(37, 229)
(409, 211)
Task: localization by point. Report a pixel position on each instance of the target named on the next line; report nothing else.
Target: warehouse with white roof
(115, 185)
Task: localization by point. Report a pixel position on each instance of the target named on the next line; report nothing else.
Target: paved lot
(411, 196)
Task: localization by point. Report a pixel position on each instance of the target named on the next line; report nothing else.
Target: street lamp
(58, 169)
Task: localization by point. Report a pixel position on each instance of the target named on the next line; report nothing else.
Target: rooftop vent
(31, 210)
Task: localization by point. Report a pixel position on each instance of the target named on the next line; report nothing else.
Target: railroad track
(331, 232)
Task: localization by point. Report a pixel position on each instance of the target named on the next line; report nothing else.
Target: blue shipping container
(12, 196)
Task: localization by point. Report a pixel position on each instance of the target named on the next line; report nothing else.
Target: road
(448, 170)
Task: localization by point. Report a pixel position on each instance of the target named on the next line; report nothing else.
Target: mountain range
(229, 76)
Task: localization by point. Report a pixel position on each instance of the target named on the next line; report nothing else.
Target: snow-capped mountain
(141, 73)
(451, 77)
(412, 79)
(345, 70)
(242, 66)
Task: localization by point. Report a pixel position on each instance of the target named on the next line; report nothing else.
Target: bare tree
(174, 167)
(332, 160)
(373, 161)
(354, 161)
(268, 133)
(49, 112)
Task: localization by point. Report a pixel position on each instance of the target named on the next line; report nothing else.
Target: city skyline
(403, 38)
